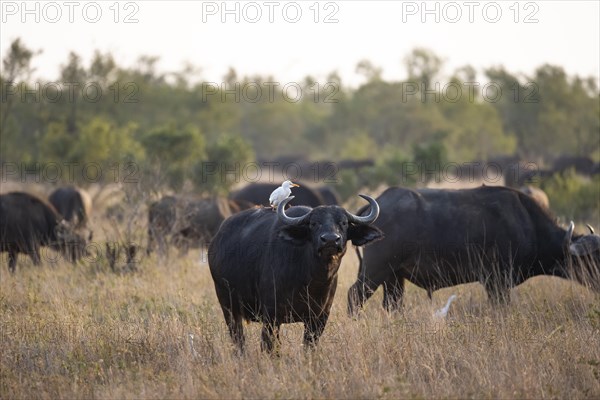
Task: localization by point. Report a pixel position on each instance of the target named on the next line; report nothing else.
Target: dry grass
(84, 332)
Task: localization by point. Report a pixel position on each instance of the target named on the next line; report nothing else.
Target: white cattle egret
(442, 312)
(192, 349)
(281, 193)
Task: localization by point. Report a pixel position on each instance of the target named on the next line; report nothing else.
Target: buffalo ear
(361, 234)
(295, 234)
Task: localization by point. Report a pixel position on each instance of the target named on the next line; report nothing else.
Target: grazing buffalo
(74, 204)
(27, 222)
(522, 173)
(281, 267)
(494, 235)
(582, 165)
(258, 193)
(188, 222)
(537, 194)
(355, 164)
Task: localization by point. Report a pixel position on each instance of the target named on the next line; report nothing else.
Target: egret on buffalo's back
(281, 193)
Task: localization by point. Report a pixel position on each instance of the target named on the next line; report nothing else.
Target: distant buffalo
(329, 195)
(581, 165)
(523, 173)
(258, 193)
(188, 222)
(281, 267)
(27, 223)
(355, 164)
(74, 204)
(494, 235)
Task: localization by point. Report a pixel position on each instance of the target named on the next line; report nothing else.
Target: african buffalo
(188, 222)
(495, 235)
(522, 173)
(281, 267)
(258, 193)
(27, 222)
(581, 165)
(74, 204)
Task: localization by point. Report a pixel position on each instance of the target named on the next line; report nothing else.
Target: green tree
(16, 71)
(518, 107)
(173, 151)
(226, 160)
(358, 147)
(368, 70)
(423, 66)
(73, 76)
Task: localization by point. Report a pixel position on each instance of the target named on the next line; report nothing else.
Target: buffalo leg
(111, 256)
(393, 292)
(313, 329)
(12, 260)
(233, 315)
(157, 239)
(270, 337)
(150, 245)
(236, 328)
(358, 294)
(35, 256)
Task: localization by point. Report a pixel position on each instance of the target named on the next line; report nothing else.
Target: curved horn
(289, 220)
(590, 228)
(569, 235)
(368, 218)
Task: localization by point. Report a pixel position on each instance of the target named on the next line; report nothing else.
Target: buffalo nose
(331, 238)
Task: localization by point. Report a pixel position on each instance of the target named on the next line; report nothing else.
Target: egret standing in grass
(281, 193)
(442, 312)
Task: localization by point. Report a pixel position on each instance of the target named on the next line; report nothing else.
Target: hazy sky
(520, 35)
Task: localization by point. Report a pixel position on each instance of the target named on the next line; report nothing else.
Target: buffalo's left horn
(569, 235)
(289, 220)
(367, 219)
(590, 228)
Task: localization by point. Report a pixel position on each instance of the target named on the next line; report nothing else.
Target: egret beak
(295, 185)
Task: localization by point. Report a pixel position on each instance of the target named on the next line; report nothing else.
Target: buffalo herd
(277, 266)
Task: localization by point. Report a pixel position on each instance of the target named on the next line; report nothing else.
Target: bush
(573, 196)
(224, 166)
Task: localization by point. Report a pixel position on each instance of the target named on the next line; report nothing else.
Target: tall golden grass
(82, 331)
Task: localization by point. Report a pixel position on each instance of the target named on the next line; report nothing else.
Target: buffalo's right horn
(368, 218)
(289, 220)
(590, 228)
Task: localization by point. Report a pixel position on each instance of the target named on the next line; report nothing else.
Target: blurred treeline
(170, 125)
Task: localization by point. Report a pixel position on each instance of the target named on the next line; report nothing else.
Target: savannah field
(201, 98)
(83, 331)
